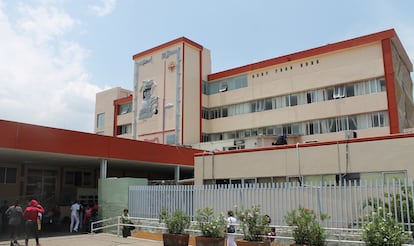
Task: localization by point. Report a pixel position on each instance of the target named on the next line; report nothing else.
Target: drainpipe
(165, 55)
(298, 158)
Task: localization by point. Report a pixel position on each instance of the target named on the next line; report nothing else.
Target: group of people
(81, 216)
(30, 217)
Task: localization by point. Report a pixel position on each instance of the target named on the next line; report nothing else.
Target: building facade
(342, 111)
(358, 87)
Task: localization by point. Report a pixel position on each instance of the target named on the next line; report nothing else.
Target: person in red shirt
(31, 214)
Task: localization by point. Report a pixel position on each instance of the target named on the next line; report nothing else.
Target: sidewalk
(100, 239)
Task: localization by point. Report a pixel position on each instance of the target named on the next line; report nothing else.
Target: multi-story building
(358, 87)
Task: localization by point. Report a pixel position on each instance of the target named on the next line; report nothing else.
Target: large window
(8, 175)
(324, 94)
(100, 120)
(225, 85)
(330, 125)
(125, 108)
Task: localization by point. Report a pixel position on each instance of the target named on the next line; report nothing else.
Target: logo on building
(172, 66)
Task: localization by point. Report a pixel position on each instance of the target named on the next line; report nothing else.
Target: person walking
(74, 217)
(231, 228)
(31, 214)
(15, 215)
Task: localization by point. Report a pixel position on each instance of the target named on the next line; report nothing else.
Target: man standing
(15, 215)
(31, 214)
(74, 217)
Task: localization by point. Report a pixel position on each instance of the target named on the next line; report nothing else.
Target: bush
(176, 222)
(253, 224)
(307, 228)
(210, 225)
(383, 230)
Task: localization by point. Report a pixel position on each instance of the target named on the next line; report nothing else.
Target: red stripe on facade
(182, 96)
(390, 83)
(304, 54)
(201, 97)
(165, 45)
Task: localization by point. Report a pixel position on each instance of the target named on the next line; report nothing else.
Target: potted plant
(383, 230)
(212, 227)
(254, 226)
(307, 230)
(175, 223)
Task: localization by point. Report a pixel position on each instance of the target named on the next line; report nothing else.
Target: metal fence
(348, 205)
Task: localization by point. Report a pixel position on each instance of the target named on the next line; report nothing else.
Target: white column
(104, 168)
(177, 173)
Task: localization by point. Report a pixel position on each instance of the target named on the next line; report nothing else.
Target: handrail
(95, 227)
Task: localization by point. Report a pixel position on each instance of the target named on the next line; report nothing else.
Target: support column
(104, 168)
(177, 173)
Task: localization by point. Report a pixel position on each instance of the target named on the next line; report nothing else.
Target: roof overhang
(32, 144)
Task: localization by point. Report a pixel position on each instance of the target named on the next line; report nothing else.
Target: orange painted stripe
(22, 136)
(390, 83)
(305, 54)
(165, 45)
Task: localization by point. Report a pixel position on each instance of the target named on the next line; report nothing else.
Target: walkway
(100, 239)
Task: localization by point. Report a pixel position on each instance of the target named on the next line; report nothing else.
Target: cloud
(43, 22)
(43, 75)
(105, 9)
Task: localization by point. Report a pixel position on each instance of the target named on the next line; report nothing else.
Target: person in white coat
(74, 217)
(231, 228)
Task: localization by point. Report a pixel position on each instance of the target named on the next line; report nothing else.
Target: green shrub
(307, 228)
(210, 225)
(383, 230)
(175, 222)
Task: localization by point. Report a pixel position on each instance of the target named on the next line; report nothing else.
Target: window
(8, 175)
(125, 108)
(291, 100)
(226, 85)
(311, 96)
(350, 90)
(78, 178)
(100, 120)
(377, 120)
(339, 92)
(268, 104)
(124, 129)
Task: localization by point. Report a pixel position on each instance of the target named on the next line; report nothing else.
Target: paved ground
(100, 239)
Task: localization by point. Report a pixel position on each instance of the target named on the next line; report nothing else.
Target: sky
(55, 55)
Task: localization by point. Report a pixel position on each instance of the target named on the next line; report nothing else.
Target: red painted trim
(165, 45)
(182, 95)
(22, 136)
(123, 100)
(304, 145)
(305, 54)
(116, 112)
(201, 97)
(390, 83)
